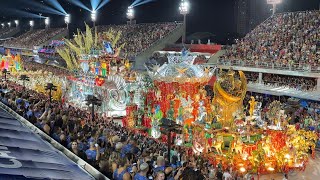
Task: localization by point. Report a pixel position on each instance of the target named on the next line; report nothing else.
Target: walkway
(24, 155)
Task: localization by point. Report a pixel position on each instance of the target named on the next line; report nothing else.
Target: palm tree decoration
(70, 58)
(84, 43)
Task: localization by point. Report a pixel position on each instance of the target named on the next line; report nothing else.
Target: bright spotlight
(274, 1)
(130, 13)
(31, 23)
(67, 19)
(184, 7)
(274, 4)
(16, 22)
(184, 10)
(2, 24)
(242, 169)
(9, 24)
(47, 21)
(93, 16)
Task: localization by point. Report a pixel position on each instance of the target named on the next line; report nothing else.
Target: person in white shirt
(226, 175)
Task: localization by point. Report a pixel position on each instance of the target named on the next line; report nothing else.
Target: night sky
(214, 16)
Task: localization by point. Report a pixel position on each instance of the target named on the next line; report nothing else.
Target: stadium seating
(33, 38)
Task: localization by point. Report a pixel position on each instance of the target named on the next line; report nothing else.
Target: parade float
(11, 62)
(98, 70)
(219, 128)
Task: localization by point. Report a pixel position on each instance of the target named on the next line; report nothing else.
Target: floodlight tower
(130, 14)
(67, 20)
(17, 23)
(184, 10)
(94, 17)
(9, 24)
(31, 23)
(47, 22)
(274, 5)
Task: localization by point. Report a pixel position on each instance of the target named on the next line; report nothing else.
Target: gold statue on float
(253, 104)
(229, 92)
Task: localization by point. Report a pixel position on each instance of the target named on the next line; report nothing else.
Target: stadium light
(31, 23)
(274, 4)
(184, 9)
(94, 17)
(130, 14)
(47, 22)
(67, 20)
(2, 24)
(16, 22)
(9, 24)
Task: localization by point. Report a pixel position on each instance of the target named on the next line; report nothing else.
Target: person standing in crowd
(226, 175)
(93, 153)
(160, 175)
(142, 174)
(76, 151)
(121, 172)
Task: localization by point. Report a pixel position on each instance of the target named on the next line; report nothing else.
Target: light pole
(40, 17)
(24, 78)
(51, 88)
(9, 24)
(2, 24)
(130, 14)
(169, 126)
(92, 100)
(31, 23)
(94, 17)
(67, 19)
(274, 4)
(184, 10)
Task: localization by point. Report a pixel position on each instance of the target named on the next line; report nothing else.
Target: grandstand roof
(24, 155)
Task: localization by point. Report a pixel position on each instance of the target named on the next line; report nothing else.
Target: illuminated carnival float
(217, 127)
(11, 62)
(98, 70)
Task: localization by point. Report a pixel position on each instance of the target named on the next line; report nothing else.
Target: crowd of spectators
(252, 76)
(292, 82)
(34, 66)
(117, 152)
(33, 38)
(286, 39)
(139, 37)
(298, 83)
(4, 32)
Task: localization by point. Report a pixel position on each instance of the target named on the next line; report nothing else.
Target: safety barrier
(303, 67)
(84, 165)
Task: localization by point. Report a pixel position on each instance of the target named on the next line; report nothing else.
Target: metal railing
(300, 67)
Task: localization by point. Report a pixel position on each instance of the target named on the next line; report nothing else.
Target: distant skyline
(214, 16)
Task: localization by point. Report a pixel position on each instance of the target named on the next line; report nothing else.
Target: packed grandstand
(286, 41)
